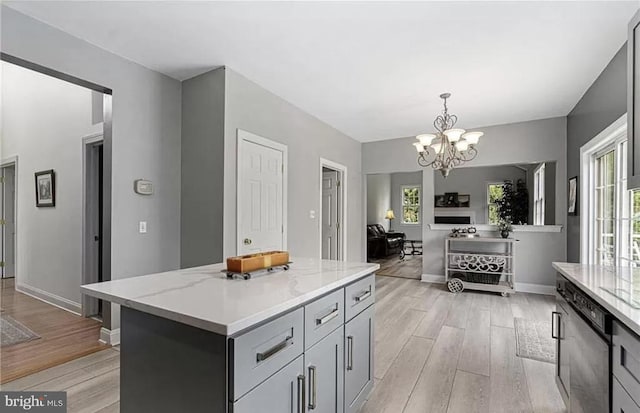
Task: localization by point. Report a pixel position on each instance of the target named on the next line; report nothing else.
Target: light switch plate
(312, 214)
(143, 227)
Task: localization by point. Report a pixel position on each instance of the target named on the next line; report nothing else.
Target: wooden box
(259, 261)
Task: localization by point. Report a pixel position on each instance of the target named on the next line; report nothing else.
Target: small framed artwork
(451, 199)
(46, 188)
(464, 201)
(573, 196)
(438, 201)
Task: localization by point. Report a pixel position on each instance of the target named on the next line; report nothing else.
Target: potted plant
(505, 227)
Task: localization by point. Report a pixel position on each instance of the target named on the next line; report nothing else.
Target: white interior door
(9, 214)
(261, 181)
(330, 216)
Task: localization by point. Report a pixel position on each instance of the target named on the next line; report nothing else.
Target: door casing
(5, 163)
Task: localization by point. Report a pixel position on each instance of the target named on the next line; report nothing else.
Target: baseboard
(111, 337)
(520, 287)
(432, 278)
(50, 298)
(536, 288)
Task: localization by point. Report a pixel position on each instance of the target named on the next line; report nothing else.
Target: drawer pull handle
(333, 314)
(555, 327)
(302, 402)
(313, 398)
(350, 353)
(363, 296)
(275, 349)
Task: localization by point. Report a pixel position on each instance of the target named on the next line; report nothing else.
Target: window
(411, 204)
(538, 195)
(614, 211)
(494, 193)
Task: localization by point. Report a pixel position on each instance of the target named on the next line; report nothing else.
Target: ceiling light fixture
(448, 147)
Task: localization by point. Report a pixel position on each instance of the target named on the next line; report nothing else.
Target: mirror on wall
(394, 223)
(483, 195)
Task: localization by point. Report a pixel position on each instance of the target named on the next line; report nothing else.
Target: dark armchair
(381, 243)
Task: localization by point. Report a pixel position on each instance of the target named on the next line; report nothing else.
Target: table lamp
(390, 215)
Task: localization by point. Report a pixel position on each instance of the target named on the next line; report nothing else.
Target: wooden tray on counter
(246, 264)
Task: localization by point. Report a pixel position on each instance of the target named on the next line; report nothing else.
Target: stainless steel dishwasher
(582, 329)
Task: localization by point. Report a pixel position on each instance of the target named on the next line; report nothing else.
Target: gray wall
(43, 122)
(202, 168)
(603, 103)
(474, 181)
(378, 199)
(412, 231)
(254, 109)
(525, 142)
(145, 140)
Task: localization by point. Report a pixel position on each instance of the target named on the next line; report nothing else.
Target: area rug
(533, 340)
(13, 332)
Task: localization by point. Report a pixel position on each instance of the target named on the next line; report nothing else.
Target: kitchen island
(286, 341)
(597, 328)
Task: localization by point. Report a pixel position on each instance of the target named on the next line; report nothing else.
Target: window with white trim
(613, 211)
(538, 195)
(495, 191)
(411, 204)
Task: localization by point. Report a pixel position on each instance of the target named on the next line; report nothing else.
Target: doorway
(8, 181)
(262, 194)
(333, 201)
(93, 223)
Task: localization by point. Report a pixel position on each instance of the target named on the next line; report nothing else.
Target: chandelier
(448, 147)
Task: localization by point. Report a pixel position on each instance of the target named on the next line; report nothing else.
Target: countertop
(204, 297)
(593, 279)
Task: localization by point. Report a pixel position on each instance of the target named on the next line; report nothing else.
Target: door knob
(247, 241)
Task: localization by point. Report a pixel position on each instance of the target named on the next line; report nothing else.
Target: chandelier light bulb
(462, 145)
(426, 138)
(454, 134)
(419, 147)
(472, 137)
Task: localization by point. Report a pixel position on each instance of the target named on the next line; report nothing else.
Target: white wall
(44, 121)
(525, 142)
(250, 107)
(473, 182)
(378, 199)
(412, 231)
(145, 140)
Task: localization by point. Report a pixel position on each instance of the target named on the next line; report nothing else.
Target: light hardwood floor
(64, 336)
(393, 266)
(435, 352)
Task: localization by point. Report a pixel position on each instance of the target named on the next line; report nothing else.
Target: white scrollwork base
(477, 262)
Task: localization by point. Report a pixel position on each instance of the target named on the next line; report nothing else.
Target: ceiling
(372, 70)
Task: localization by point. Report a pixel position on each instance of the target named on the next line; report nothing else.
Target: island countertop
(204, 297)
(594, 279)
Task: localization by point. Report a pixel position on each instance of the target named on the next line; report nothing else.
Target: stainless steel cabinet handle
(328, 317)
(350, 353)
(363, 296)
(275, 349)
(302, 402)
(312, 388)
(555, 327)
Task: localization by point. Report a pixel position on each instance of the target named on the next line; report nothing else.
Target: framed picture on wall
(573, 196)
(45, 188)
(464, 201)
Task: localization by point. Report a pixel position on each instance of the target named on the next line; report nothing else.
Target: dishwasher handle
(555, 325)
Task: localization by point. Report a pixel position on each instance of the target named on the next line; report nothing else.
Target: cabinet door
(324, 364)
(621, 401)
(563, 344)
(633, 103)
(284, 392)
(358, 373)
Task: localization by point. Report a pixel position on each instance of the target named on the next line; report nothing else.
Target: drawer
(261, 352)
(323, 316)
(626, 359)
(359, 295)
(621, 401)
(281, 393)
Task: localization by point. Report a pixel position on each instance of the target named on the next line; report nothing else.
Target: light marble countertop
(593, 279)
(204, 297)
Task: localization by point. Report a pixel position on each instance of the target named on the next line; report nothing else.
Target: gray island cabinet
(287, 342)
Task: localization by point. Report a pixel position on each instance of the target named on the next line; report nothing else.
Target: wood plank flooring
(64, 336)
(393, 266)
(435, 352)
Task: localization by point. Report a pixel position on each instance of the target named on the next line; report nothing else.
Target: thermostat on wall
(143, 187)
